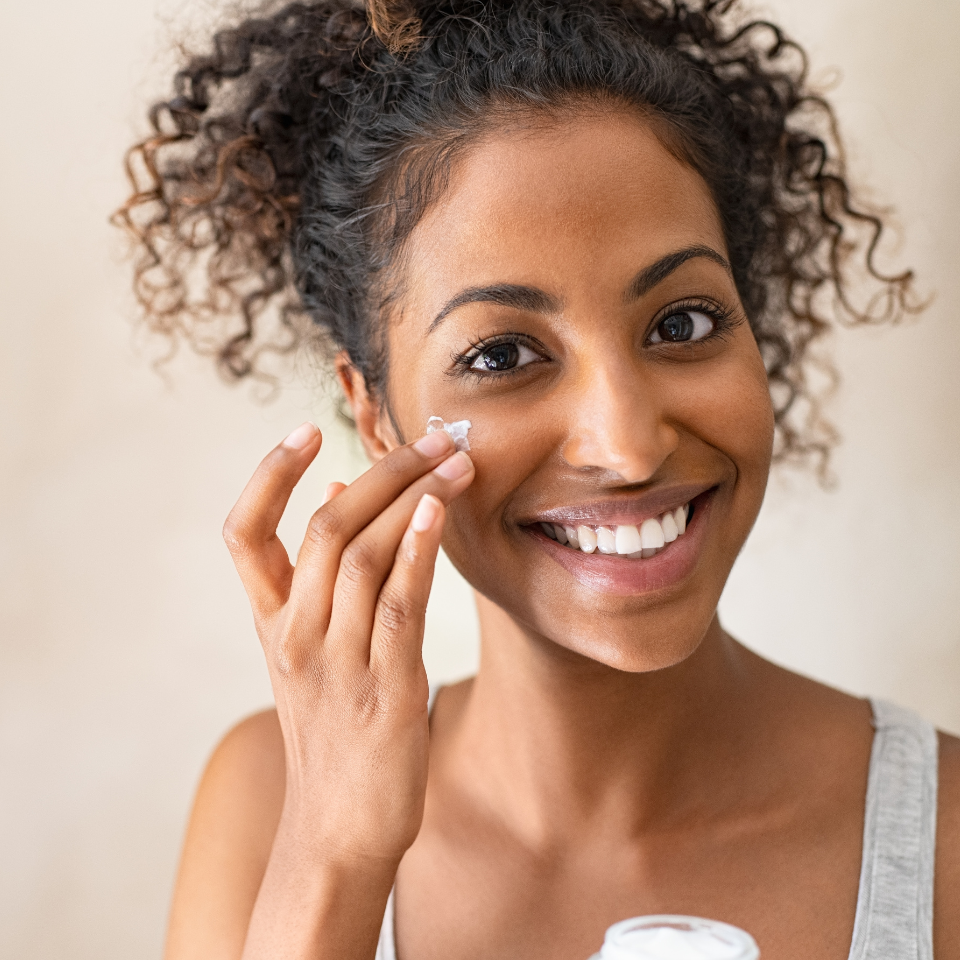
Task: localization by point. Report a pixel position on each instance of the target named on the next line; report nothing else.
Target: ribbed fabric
(895, 903)
(894, 919)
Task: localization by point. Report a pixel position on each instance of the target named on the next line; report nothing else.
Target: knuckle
(235, 535)
(367, 701)
(324, 527)
(359, 561)
(396, 610)
(372, 702)
(397, 465)
(294, 659)
(408, 553)
(286, 659)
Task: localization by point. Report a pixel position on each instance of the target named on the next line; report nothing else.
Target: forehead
(589, 200)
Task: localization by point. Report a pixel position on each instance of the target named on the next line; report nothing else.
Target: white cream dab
(457, 430)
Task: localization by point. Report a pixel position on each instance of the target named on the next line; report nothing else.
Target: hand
(342, 633)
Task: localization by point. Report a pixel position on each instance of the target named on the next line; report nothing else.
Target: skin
(617, 753)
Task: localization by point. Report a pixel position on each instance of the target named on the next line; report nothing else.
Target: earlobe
(367, 411)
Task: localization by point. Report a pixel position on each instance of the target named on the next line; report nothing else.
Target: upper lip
(622, 510)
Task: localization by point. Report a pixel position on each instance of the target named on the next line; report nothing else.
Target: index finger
(339, 520)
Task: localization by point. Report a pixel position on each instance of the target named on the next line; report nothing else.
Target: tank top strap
(386, 945)
(894, 918)
(432, 695)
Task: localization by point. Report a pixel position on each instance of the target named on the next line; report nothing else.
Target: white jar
(676, 938)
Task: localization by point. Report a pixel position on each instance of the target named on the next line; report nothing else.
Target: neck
(556, 741)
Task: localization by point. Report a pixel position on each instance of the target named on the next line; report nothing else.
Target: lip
(602, 513)
(621, 576)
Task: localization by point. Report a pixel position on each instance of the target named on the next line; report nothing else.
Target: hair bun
(395, 23)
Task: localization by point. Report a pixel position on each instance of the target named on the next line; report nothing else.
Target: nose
(617, 424)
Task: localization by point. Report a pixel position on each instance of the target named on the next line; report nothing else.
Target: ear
(377, 439)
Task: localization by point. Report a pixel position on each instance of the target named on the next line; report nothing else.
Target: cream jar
(676, 938)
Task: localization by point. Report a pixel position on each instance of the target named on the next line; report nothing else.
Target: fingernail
(454, 467)
(301, 436)
(434, 444)
(426, 513)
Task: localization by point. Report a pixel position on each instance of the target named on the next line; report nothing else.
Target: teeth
(669, 525)
(625, 540)
(651, 534)
(680, 515)
(606, 540)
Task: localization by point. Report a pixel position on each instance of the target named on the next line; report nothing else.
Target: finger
(339, 520)
(250, 530)
(367, 560)
(333, 489)
(397, 644)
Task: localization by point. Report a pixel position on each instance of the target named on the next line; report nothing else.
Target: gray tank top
(894, 919)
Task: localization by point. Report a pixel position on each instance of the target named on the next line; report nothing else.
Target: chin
(635, 647)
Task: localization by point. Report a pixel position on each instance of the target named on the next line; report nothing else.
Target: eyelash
(724, 320)
(464, 361)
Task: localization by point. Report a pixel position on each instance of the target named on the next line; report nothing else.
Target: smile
(629, 547)
(625, 540)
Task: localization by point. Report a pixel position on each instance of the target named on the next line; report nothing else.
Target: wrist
(317, 903)
(345, 853)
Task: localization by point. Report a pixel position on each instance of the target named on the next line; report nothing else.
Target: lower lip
(609, 573)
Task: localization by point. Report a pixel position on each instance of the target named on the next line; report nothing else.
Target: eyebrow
(503, 294)
(657, 272)
(534, 300)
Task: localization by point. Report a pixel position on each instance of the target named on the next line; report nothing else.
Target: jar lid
(676, 938)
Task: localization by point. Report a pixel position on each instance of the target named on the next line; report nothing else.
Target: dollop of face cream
(457, 430)
(676, 938)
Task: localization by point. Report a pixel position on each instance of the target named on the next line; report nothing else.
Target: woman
(604, 233)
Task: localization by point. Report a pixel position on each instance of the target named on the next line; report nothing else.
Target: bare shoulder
(253, 747)
(228, 841)
(946, 899)
(242, 788)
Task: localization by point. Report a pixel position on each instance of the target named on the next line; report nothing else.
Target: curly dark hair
(280, 181)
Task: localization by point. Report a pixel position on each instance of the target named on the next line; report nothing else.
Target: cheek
(510, 440)
(504, 435)
(727, 405)
(750, 429)
(509, 444)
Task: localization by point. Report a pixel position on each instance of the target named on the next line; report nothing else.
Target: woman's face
(569, 295)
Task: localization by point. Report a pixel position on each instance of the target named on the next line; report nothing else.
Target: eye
(682, 327)
(503, 356)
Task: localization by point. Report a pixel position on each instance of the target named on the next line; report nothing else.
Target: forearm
(313, 908)
(343, 633)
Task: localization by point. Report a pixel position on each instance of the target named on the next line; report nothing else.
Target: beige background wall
(126, 644)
